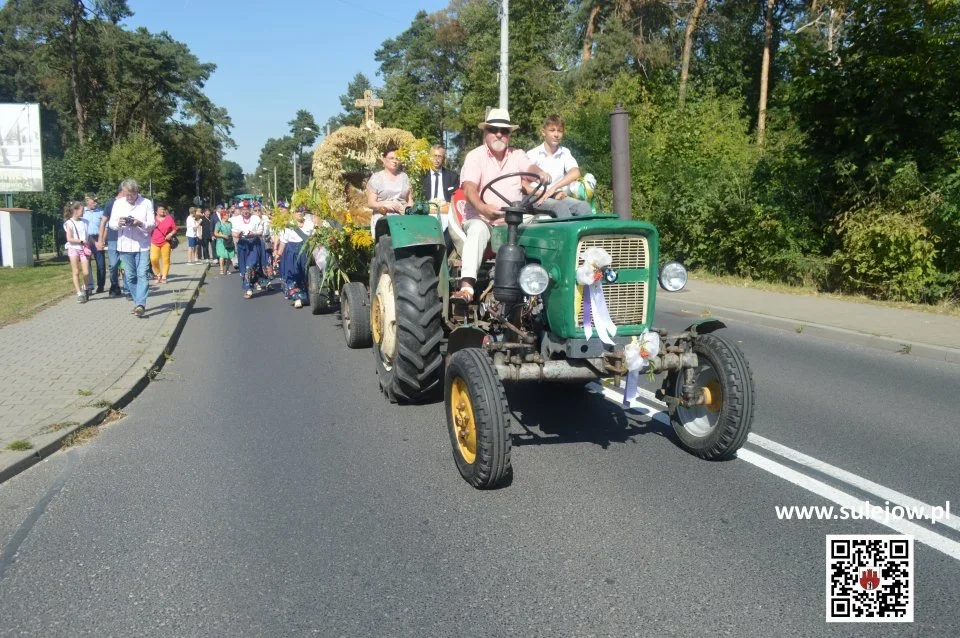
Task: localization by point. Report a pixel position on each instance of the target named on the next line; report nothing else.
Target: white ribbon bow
(637, 355)
(590, 275)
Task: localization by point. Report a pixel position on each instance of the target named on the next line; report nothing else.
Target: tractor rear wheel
(355, 315)
(406, 322)
(718, 428)
(477, 419)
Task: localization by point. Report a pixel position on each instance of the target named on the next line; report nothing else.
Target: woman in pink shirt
(160, 242)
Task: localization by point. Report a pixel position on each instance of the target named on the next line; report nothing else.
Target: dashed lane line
(653, 409)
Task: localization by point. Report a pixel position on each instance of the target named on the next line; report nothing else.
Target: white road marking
(651, 405)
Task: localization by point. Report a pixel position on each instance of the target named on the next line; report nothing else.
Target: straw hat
(498, 117)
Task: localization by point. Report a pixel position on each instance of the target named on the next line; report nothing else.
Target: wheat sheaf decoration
(362, 146)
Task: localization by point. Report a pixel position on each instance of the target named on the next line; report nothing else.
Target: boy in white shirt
(563, 168)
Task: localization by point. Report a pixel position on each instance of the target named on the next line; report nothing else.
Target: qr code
(869, 578)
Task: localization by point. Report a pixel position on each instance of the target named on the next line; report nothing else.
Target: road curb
(120, 393)
(898, 346)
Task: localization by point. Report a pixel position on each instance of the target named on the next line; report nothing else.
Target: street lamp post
(309, 130)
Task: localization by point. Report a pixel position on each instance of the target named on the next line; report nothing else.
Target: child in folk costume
(76, 247)
(293, 260)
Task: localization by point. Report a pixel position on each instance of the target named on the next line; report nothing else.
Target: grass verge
(19, 445)
(26, 291)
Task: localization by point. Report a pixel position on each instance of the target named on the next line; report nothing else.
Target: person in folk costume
(247, 229)
(266, 256)
(293, 260)
(278, 263)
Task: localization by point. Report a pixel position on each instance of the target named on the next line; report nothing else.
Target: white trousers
(478, 236)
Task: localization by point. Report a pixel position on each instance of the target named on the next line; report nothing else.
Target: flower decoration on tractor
(596, 269)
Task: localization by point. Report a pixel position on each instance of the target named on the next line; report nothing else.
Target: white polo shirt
(556, 164)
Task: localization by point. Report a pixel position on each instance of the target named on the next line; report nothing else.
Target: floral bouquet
(346, 248)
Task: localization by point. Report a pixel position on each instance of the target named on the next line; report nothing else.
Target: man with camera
(132, 218)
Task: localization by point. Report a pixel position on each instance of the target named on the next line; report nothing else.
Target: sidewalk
(910, 332)
(66, 366)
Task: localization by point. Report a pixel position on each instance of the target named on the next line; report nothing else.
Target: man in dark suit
(439, 182)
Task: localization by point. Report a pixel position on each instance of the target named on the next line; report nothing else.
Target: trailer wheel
(319, 299)
(355, 315)
(717, 429)
(477, 419)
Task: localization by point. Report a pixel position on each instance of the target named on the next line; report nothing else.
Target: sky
(276, 56)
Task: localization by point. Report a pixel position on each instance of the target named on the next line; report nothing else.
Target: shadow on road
(556, 414)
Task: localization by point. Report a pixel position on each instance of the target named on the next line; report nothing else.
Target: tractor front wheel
(477, 419)
(718, 428)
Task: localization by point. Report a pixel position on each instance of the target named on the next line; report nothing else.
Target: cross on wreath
(368, 104)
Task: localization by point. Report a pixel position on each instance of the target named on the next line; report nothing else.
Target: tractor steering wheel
(528, 200)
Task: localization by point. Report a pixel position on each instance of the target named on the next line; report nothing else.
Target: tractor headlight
(534, 279)
(673, 276)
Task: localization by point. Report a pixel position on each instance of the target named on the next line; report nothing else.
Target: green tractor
(526, 325)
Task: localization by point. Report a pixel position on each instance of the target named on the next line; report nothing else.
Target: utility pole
(504, 51)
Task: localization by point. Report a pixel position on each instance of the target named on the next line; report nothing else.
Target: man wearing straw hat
(495, 157)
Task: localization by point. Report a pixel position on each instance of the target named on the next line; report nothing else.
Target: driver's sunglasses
(501, 131)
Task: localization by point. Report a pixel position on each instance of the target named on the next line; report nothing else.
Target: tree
(232, 178)
(688, 46)
(276, 154)
(68, 30)
(303, 128)
(765, 70)
(141, 158)
(351, 115)
(421, 70)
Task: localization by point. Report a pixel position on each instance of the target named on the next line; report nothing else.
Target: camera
(128, 220)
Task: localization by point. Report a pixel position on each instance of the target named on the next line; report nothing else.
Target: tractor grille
(627, 302)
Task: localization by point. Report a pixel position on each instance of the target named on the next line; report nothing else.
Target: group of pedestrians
(130, 234)
(246, 238)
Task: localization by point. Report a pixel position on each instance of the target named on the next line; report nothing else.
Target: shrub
(886, 253)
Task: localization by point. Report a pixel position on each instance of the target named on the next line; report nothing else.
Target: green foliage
(100, 84)
(141, 158)
(231, 177)
(886, 253)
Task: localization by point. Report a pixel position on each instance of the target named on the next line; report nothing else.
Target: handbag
(228, 243)
(84, 246)
(174, 242)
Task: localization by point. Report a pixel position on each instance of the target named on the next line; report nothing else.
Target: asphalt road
(262, 486)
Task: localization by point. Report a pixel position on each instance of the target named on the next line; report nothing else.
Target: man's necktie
(436, 186)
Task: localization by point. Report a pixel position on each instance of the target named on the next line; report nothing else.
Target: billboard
(21, 168)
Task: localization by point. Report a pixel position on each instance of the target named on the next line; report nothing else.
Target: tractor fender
(410, 230)
(465, 337)
(705, 326)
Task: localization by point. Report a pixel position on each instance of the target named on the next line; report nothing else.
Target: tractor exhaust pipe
(620, 148)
